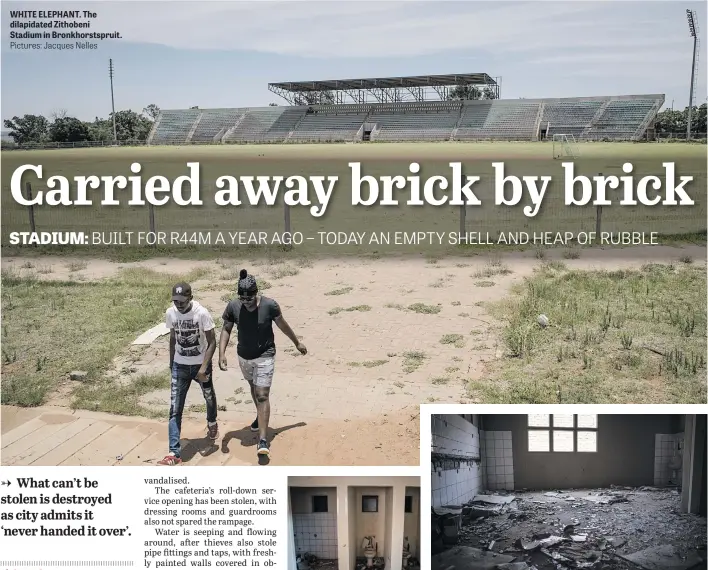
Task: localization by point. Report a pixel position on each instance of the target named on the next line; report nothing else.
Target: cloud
(380, 29)
(643, 39)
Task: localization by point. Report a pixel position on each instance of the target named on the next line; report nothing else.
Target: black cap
(181, 292)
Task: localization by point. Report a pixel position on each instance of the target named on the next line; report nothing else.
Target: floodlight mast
(690, 15)
(113, 101)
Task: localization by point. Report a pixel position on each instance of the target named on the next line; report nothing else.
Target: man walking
(254, 316)
(192, 347)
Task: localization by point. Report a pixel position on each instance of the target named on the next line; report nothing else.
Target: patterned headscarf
(247, 283)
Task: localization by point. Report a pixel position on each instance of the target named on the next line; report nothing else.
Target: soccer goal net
(564, 146)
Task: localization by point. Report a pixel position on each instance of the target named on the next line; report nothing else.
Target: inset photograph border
(353, 523)
(572, 490)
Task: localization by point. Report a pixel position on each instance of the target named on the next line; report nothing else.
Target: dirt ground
(639, 519)
(370, 356)
(57, 436)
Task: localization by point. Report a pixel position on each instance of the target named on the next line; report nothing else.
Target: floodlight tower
(691, 16)
(113, 103)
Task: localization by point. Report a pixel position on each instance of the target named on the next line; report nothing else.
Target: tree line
(470, 92)
(670, 122)
(61, 128)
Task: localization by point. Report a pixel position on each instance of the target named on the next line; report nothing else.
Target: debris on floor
(468, 558)
(663, 557)
(607, 498)
(378, 562)
(494, 499)
(596, 529)
(308, 561)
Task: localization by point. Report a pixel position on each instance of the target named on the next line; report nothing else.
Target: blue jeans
(182, 377)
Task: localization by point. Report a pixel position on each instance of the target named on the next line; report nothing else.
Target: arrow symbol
(5, 483)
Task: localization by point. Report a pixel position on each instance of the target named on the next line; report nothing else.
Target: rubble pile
(378, 563)
(308, 561)
(586, 529)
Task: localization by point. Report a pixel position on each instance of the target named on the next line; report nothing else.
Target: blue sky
(224, 53)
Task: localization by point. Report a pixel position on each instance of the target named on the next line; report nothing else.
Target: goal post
(564, 146)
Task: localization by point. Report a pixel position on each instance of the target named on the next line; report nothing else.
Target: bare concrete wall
(625, 453)
(372, 524)
(411, 521)
(301, 499)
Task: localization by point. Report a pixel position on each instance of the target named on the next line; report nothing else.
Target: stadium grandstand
(465, 107)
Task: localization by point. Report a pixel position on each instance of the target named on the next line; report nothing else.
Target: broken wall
(625, 453)
(456, 474)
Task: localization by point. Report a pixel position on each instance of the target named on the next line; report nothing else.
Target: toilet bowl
(369, 546)
(406, 551)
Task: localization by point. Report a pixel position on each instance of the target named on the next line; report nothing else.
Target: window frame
(326, 503)
(370, 497)
(551, 429)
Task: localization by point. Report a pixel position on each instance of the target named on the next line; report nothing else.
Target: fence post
(287, 223)
(28, 189)
(598, 219)
(151, 211)
(463, 218)
(598, 222)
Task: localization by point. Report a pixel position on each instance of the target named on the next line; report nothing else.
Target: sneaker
(170, 460)
(213, 431)
(254, 425)
(263, 448)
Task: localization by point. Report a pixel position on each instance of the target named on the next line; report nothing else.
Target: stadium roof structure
(383, 89)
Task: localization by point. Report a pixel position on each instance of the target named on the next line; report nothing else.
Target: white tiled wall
(316, 533)
(665, 447)
(498, 460)
(454, 435)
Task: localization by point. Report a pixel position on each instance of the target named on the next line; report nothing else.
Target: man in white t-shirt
(192, 346)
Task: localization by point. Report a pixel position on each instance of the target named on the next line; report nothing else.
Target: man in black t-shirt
(254, 316)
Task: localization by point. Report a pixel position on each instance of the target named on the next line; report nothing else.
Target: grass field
(627, 324)
(437, 330)
(621, 336)
(377, 160)
(89, 324)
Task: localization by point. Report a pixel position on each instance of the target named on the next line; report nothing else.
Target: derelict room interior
(563, 491)
(354, 523)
